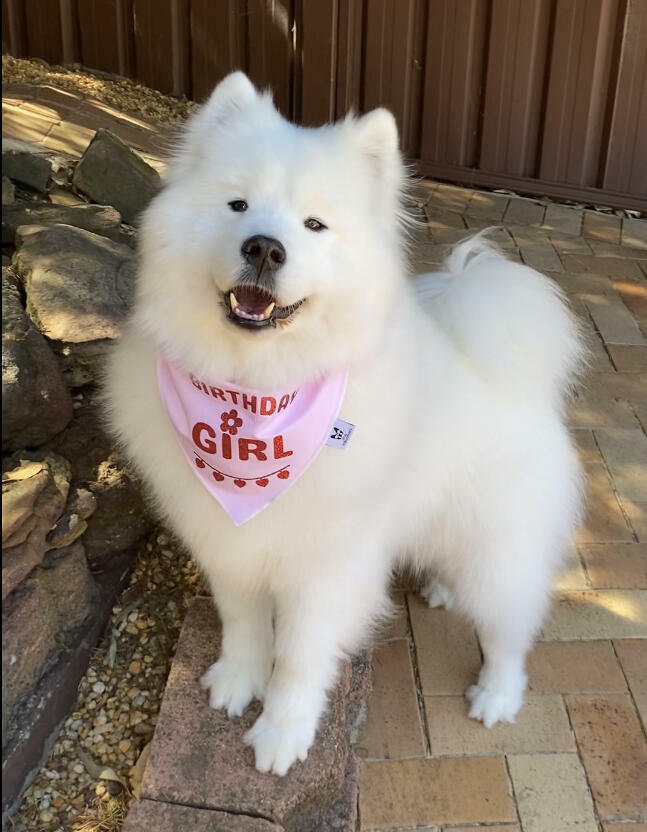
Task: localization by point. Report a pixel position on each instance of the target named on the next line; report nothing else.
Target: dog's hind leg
(507, 599)
(437, 594)
(498, 694)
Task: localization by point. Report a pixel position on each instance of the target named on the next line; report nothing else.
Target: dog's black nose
(263, 253)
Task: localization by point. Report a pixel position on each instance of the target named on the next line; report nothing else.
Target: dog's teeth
(241, 312)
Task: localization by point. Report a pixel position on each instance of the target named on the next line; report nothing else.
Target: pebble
(135, 667)
(113, 787)
(124, 746)
(98, 687)
(78, 768)
(143, 729)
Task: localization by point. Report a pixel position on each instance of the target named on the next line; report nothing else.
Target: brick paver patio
(576, 759)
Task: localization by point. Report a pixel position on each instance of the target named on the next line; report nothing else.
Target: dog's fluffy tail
(512, 324)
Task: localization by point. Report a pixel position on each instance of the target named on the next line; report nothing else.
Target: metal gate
(540, 96)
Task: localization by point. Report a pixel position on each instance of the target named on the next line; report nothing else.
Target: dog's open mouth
(253, 308)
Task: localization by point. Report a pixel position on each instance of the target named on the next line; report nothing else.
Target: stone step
(198, 760)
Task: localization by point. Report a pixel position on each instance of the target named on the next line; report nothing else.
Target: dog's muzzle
(252, 302)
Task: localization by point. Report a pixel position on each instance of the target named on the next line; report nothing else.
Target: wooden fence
(540, 96)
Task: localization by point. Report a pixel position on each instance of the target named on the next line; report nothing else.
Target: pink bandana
(248, 447)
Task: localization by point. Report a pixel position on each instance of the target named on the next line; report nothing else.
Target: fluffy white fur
(460, 463)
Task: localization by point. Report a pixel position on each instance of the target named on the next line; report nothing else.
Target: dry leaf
(98, 772)
(137, 771)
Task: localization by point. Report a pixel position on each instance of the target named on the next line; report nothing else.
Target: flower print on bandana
(246, 446)
(230, 422)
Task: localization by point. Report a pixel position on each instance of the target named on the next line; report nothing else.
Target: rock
(121, 518)
(146, 815)
(22, 532)
(66, 531)
(34, 492)
(82, 502)
(111, 173)
(319, 793)
(79, 285)
(80, 506)
(37, 625)
(342, 814)
(128, 236)
(59, 195)
(35, 723)
(82, 364)
(36, 404)
(100, 219)
(18, 498)
(8, 191)
(27, 168)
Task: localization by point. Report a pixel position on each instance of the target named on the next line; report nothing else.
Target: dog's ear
(233, 93)
(377, 135)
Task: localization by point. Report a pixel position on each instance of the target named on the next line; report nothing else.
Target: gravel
(114, 90)
(91, 775)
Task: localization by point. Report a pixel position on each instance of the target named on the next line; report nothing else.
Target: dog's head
(273, 253)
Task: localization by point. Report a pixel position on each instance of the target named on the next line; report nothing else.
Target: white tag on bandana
(340, 433)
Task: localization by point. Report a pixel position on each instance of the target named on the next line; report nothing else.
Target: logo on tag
(340, 433)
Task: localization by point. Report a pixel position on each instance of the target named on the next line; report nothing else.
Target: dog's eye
(238, 205)
(314, 225)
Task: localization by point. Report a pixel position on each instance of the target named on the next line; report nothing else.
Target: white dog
(274, 259)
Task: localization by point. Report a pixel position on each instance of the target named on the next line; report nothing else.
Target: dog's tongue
(252, 300)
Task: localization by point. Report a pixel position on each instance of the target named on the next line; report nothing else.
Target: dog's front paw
(492, 706)
(278, 745)
(232, 685)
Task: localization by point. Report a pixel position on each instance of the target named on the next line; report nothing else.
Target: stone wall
(72, 515)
